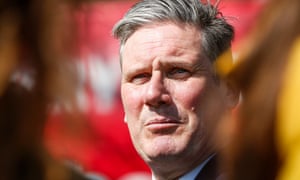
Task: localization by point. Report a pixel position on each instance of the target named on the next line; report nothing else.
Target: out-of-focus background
(101, 144)
(106, 148)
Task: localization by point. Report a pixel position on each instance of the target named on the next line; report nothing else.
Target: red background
(105, 147)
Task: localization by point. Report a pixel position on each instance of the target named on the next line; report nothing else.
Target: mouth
(162, 125)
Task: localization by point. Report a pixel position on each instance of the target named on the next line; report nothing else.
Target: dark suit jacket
(210, 171)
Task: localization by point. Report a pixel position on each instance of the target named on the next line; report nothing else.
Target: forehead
(162, 39)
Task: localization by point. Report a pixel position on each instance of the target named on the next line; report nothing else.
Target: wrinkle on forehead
(177, 35)
(168, 38)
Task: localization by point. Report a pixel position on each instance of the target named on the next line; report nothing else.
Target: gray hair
(216, 33)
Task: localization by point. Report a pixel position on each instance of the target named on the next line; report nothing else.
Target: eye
(140, 78)
(179, 73)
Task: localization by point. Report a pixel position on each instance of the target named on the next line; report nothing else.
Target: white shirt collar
(192, 174)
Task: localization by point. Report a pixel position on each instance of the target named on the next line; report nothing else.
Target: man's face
(165, 79)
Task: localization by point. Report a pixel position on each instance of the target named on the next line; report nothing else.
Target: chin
(162, 147)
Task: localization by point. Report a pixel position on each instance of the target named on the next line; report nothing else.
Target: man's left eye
(179, 73)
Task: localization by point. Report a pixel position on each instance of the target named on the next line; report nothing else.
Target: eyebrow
(134, 69)
(199, 65)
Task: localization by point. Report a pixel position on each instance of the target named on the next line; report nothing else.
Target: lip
(162, 124)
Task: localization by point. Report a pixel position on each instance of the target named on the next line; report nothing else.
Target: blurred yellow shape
(288, 125)
(224, 63)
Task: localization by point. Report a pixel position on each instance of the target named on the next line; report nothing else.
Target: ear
(231, 94)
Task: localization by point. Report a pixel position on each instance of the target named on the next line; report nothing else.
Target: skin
(165, 81)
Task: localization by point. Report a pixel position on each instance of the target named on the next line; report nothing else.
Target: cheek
(190, 95)
(132, 100)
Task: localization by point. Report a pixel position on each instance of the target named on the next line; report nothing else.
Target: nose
(156, 93)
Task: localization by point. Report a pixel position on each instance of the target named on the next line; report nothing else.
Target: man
(168, 49)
